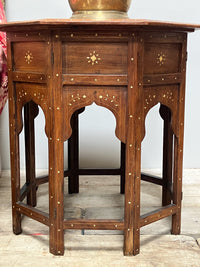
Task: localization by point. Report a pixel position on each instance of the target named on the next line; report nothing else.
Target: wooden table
(126, 66)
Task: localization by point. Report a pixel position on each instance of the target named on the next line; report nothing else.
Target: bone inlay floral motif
(28, 57)
(93, 58)
(161, 58)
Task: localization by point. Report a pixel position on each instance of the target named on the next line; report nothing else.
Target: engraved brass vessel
(99, 9)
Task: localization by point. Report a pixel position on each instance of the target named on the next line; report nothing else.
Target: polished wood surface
(10, 26)
(127, 66)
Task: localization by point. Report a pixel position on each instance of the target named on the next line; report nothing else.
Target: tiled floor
(99, 198)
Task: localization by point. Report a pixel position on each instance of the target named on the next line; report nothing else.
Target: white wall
(99, 147)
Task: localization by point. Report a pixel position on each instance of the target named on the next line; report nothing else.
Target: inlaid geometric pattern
(28, 57)
(93, 58)
(161, 58)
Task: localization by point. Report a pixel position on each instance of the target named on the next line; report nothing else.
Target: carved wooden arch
(113, 99)
(26, 93)
(167, 96)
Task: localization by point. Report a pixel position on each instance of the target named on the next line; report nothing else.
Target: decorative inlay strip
(172, 78)
(94, 79)
(168, 95)
(40, 96)
(29, 77)
(108, 98)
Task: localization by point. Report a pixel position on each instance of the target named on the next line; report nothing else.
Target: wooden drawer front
(30, 56)
(95, 58)
(162, 58)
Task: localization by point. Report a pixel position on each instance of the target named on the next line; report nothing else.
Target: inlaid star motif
(93, 58)
(28, 57)
(161, 59)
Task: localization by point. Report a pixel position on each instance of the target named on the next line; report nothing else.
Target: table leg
(132, 201)
(56, 196)
(122, 168)
(73, 156)
(30, 112)
(178, 147)
(133, 147)
(167, 155)
(15, 182)
(56, 154)
(177, 184)
(15, 163)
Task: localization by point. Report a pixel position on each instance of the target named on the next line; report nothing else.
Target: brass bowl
(99, 9)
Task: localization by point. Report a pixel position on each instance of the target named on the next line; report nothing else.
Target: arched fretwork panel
(165, 95)
(36, 95)
(114, 99)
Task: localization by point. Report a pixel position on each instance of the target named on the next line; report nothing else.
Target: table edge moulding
(127, 66)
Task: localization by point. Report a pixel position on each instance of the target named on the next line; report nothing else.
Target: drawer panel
(94, 58)
(162, 58)
(30, 56)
